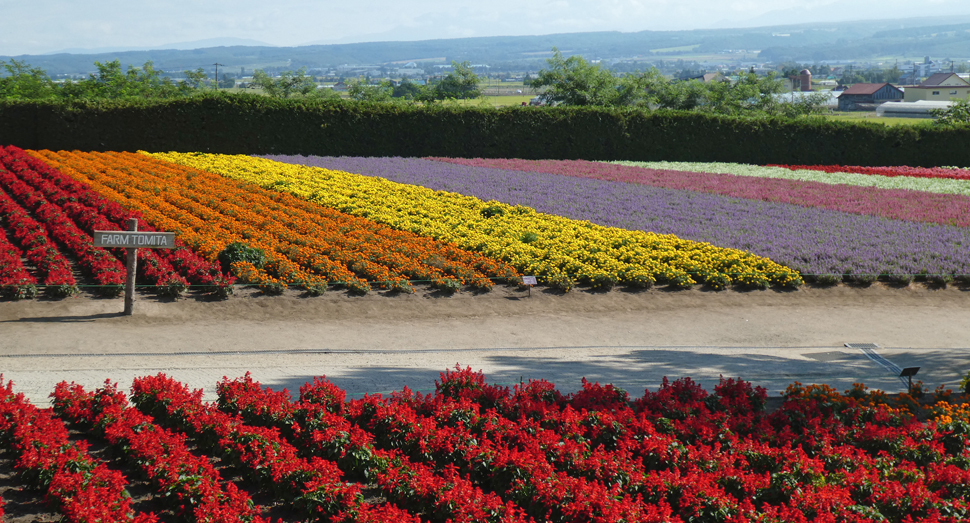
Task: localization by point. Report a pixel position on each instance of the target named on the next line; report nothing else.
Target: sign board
(134, 240)
(529, 280)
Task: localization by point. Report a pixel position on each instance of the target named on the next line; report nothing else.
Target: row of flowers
(190, 483)
(37, 247)
(315, 485)
(823, 456)
(879, 180)
(306, 244)
(559, 250)
(898, 204)
(79, 487)
(15, 281)
(439, 491)
(473, 451)
(915, 172)
(823, 245)
(103, 267)
(170, 271)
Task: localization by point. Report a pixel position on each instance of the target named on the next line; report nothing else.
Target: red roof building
(865, 97)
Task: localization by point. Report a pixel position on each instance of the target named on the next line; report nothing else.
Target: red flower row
(82, 489)
(15, 281)
(107, 271)
(316, 484)
(188, 479)
(37, 247)
(444, 491)
(517, 460)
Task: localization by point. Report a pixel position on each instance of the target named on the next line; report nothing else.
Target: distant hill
(861, 40)
(184, 46)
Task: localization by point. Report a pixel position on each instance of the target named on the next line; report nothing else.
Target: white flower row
(934, 185)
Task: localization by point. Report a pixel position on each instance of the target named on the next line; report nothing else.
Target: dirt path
(379, 342)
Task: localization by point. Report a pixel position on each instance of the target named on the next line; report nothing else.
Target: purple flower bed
(811, 240)
(898, 204)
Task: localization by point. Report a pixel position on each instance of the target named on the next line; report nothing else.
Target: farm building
(940, 87)
(865, 97)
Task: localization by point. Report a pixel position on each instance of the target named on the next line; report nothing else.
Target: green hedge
(252, 124)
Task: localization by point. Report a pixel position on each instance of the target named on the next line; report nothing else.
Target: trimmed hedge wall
(252, 124)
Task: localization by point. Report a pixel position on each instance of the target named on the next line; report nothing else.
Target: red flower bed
(189, 480)
(15, 281)
(82, 489)
(472, 451)
(916, 172)
(443, 492)
(107, 271)
(316, 484)
(38, 248)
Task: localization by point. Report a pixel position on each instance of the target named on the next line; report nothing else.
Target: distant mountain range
(939, 38)
(181, 46)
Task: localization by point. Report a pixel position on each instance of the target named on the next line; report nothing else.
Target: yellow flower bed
(554, 248)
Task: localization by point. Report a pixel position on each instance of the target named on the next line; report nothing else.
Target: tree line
(21, 81)
(571, 81)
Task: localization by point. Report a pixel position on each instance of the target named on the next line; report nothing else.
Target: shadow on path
(67, 318)
(643, 369)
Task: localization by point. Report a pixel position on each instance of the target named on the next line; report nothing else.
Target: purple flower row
(813, 241)
(898, 204)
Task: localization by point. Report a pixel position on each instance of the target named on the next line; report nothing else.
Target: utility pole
(217, 64)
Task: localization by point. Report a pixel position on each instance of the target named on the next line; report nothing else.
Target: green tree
(290, 83)
(683, 95)
(407, 90)
(20, 81)
(574, 81)
(893, 75)
(228, 81)
(956, 114)
(137, 82)
(460, 84)
(364, 92)
(195, 79)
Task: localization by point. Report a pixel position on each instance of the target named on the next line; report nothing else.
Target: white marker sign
(134, 240)
(529, 280)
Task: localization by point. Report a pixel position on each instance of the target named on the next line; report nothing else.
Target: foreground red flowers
(472, 451)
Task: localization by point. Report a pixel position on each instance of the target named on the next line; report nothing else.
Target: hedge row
(255, 124)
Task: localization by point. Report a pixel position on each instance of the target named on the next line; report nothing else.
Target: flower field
(307, 244)
(357, 224)
(545, 244)
(897, 235)
(472, 451)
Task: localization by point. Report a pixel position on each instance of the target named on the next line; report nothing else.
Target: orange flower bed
(306, 244)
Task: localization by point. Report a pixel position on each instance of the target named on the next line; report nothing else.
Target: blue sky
(43, 26)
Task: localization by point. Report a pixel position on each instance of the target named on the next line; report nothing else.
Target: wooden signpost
(132, 240)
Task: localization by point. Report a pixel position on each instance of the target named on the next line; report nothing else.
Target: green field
(681, 49)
